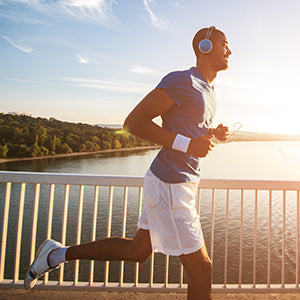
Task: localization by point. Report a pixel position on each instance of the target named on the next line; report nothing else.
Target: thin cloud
(81, 59)
(124, 86)
(29, 81)
(19, 47)
(95, 57)
(145, 71)
(18, 17)
(157, 22)
(96, 10)
(177, 4)
(100, 11)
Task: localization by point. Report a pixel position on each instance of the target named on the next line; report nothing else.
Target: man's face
(220, 53)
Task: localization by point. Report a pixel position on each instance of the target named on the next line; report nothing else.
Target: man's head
(218, 56)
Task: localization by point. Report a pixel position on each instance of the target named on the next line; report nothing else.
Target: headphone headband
(209, 32)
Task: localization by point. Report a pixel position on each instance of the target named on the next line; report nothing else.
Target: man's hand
(200, 146)
(221, 132)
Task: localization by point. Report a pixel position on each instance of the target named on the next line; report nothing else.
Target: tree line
(25, 136)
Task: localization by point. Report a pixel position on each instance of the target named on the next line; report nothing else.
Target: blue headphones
(205, 45)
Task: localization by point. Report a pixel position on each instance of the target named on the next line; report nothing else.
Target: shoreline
(242, 136)
(76, 154)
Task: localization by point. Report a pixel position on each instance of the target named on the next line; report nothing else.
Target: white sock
(57, 257)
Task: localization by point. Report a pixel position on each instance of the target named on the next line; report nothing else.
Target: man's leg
(51, 253)
(199, 271)
(115, 248)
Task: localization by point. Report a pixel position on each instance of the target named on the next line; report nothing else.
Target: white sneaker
(40, 265)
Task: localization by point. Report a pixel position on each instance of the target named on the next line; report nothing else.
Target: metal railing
(251, 230)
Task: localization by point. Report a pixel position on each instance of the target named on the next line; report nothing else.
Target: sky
(92, 61)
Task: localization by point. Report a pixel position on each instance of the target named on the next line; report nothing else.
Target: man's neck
(207, 73)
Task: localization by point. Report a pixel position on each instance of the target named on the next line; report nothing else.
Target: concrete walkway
(20, 294)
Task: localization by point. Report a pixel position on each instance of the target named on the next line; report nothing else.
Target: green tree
(24, 150)
(117, 144)
(73, 140)
(42, 135)
(65, 148)
(91, 146)
(82, 148)
(44, 151)
(106, 145)
(3, 150)
(36, 150)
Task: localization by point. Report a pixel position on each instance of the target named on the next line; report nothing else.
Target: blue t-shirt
(191, 116)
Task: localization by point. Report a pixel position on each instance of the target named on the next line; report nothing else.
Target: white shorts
(170, 215)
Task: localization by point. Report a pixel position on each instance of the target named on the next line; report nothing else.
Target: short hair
(200, 35)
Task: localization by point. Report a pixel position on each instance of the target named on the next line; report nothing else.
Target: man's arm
(140, 123)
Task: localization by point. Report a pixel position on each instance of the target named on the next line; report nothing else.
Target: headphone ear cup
(205, 46)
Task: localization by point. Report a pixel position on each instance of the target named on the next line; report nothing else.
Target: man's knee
(139, 253)
(144, 255)
(200, 274)
(206, 264)
(201, 270)
(197, 265)
(141, 248)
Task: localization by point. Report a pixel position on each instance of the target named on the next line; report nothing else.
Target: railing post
(94, 226)
(226, 240)
(181, 275)
(108, 233)
(241, 240)
(269, 240)
(212, 226)
(64, 229)
(151, 270)
(121, 277)
(255, 239)
(50, 219)
(136, 279)
(283, 239)
(297, 241)
(166, 270)
(4, 229)
(78, 237)
(34, 221)
(19, 232)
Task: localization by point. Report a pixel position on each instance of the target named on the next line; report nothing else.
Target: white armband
(181, 143)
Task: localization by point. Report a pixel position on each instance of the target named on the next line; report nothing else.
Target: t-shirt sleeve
(175, 86)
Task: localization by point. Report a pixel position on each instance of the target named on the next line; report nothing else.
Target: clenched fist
(221, 132)
(200, 146)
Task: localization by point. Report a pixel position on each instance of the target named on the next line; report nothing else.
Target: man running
(169, 223)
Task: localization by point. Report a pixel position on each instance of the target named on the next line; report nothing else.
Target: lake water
(244, 160)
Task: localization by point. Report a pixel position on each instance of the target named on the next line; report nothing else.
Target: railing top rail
(82, 179)
(72, 179)
(250, 184)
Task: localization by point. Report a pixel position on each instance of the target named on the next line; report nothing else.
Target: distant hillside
(244, 136)
(24, 136)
